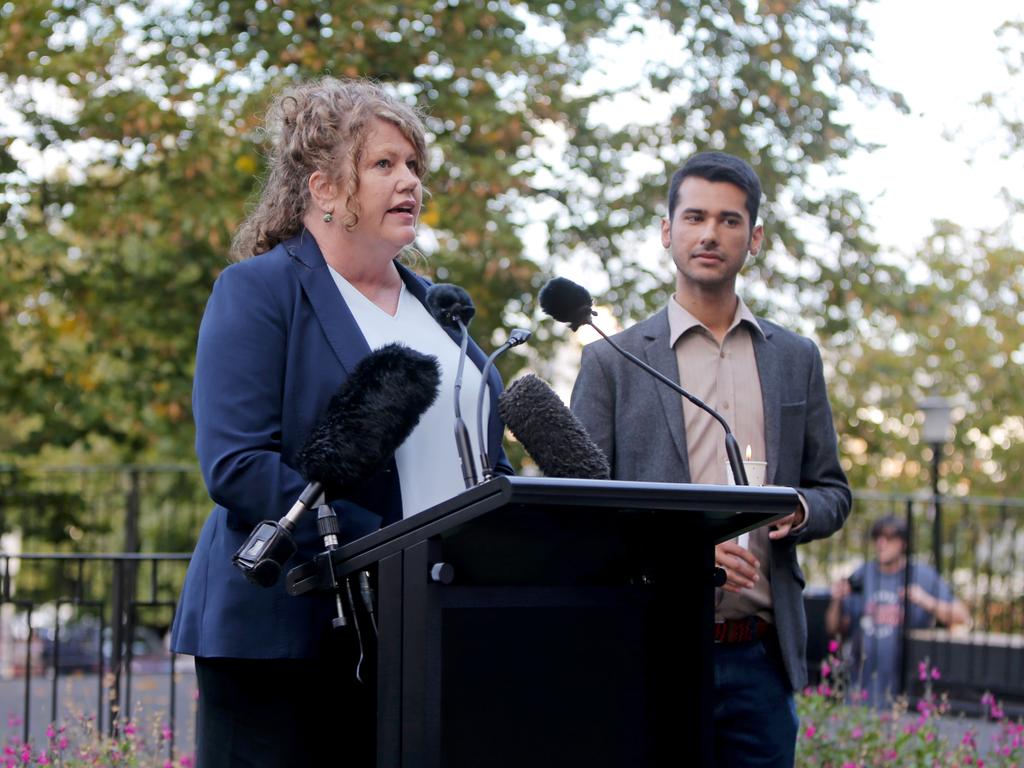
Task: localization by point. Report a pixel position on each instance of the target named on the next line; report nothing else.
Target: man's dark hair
(718, 166)
(890, 524)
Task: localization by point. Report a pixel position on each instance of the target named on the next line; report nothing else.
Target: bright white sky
(941, 160)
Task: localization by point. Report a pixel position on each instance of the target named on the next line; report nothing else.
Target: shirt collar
(680, 320)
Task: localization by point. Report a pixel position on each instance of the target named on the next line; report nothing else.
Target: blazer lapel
(339, 326)
(660, 356)
(771, 395)
(335, 318)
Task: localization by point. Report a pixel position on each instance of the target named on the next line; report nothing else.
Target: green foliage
(837, 734)
(954, 328)
(133, 149)
(82, 744)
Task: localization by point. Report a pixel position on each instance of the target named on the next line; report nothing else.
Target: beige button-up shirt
(725, 377)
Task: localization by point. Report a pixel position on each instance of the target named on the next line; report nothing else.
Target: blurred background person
(316, 287)
(867, 609)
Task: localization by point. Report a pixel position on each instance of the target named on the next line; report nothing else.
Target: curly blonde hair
(319, 126)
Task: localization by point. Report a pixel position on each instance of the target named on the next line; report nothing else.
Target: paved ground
(84, 693)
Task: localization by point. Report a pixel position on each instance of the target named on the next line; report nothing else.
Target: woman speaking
(315, 288)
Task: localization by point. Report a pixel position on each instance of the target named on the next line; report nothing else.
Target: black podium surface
(546, 622)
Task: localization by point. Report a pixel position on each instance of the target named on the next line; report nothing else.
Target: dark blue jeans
(755, 712)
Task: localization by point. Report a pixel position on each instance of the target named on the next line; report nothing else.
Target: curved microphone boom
(549, 431)
(571, 303)
(452, 308)
(367, 419)
(517, 337)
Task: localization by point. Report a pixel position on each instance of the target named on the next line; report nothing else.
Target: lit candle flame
(749, 453)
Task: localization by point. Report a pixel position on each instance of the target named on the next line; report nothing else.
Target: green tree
(132, 148)
(955, 331)
(948, 321)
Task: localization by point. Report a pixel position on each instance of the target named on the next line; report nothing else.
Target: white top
(428, 461)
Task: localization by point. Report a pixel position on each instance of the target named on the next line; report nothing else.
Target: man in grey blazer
(768, 384)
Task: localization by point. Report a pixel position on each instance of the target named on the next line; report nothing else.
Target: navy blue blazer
(275, 343)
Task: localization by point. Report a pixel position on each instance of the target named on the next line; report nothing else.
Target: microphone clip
(263, 555)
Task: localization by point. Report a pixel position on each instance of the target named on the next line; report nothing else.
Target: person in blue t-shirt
(868, 608)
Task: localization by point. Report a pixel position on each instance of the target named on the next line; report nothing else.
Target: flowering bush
(836, 734)
(82, 745)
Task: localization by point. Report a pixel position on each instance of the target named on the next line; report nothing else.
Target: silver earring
(328, 217)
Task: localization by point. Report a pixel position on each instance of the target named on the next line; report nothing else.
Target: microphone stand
(517, 337)
(732, 448)
(462, 442)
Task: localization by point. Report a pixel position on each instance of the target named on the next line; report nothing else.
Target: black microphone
(571, 303)
(549, 431)
(517, 337)
(367, 419)
(452, 308)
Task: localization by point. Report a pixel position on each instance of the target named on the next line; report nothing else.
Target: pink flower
(63, 743)
(922, 670)
(50, 733)
(166, 733)
(826, 670)
(857, 732)
(129, 729)
(935, 673)
(810, 731)
(833, 646)
(848, 764)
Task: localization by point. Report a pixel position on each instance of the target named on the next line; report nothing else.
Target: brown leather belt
(742, 630)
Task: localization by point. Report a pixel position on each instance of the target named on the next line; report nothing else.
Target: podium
(547, 622)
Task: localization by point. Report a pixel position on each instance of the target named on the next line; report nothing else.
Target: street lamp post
(938, 418)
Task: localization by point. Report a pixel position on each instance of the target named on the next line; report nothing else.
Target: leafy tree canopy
(132, 147)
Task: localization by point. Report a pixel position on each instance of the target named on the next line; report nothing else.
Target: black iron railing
(981, 556)
(95, 619)
(63, 597)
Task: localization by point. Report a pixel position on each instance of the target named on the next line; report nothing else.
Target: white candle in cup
(756, 472)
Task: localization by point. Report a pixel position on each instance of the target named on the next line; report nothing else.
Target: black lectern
(543, 622)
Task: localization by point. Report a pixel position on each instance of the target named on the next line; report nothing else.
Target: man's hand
(780, 528)
(742, 569)
(841, 588)
(920, 597)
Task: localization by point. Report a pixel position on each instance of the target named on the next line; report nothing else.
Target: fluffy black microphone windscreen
(447, 303)
(567, 302)
(549, 432)
(370, 415)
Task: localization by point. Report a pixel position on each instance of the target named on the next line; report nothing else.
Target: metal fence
(979, 543)
(57, 598)
(75, 627)
(81, 631)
